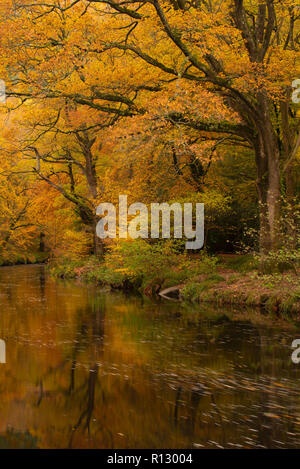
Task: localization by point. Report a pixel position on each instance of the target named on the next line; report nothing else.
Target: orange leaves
(149, 96)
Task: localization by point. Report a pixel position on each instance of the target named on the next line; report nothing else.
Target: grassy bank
(231, 280)
(277, 294)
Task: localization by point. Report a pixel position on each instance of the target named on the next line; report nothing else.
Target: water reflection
(89, 369)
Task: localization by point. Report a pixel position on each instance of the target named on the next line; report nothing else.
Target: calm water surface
(92, 369)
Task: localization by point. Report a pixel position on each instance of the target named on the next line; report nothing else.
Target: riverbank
(221, 280)
(32, 258)
(277, 294)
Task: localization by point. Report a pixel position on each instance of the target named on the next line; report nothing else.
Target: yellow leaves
(75, 75)
(17, 231)
(74, 244)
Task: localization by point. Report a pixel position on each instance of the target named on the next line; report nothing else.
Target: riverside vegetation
(223, 279)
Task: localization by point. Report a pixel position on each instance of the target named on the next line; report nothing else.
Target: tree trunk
(268, 180)
(86, 144)
(268, 185)
(262, 190)
(42, 242)
(89, 219)
(98, 246)
(290, 180)
(290, 212)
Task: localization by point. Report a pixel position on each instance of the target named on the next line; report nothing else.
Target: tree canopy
(162, 100)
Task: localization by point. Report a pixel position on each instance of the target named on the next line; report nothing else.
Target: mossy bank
(230, 280)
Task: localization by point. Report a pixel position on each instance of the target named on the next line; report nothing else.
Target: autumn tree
(246, 54)
(58, 104)
(220, 71)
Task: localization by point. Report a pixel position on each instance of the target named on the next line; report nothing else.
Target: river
(88, 368)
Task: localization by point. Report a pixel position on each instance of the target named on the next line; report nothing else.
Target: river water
(87, 368)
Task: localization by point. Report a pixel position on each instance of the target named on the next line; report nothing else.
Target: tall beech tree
(246, 53)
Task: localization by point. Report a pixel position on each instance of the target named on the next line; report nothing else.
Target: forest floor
(277, 294)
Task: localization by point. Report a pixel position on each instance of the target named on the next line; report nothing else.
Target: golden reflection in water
(89, 369)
